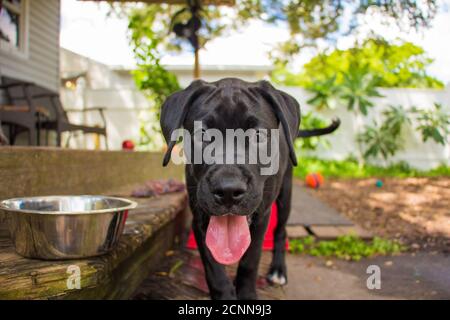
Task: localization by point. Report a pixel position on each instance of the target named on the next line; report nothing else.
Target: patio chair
(19, 111)
(60, 122)
(33, 108)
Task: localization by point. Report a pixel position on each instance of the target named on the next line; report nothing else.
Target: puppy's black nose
(229, 191)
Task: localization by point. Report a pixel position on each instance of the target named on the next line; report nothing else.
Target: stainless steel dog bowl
(65, 227)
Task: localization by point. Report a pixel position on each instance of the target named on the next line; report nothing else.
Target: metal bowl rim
(131, 205)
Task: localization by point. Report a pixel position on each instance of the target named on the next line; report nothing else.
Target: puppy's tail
(321, 131)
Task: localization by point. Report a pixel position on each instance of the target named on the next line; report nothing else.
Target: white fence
(125, 106)
(415, 152)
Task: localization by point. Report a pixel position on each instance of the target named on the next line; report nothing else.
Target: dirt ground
(415, 211)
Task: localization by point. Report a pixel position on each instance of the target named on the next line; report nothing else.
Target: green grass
(345, 247)
(350, 169)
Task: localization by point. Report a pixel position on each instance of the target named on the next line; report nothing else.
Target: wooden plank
(332, 232)
(295, 232)
(22, 278)
(326, 232)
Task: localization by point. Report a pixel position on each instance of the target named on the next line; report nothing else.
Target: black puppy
(231, 203)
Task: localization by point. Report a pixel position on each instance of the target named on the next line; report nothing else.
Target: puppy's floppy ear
(287, 111)
(175, 109)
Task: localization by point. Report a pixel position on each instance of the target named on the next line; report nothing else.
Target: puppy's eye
(261, 136)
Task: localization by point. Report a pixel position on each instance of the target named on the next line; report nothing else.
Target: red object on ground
(314, 180)
(268, 238)
(128, 145)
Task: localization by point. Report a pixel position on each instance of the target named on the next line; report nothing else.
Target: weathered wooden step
(149, 232)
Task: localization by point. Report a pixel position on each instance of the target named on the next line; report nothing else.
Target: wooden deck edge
(130, 273)
(151, 232)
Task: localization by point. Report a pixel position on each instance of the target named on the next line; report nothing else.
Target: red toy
(314, 180)
(268, 238)
(128, 145)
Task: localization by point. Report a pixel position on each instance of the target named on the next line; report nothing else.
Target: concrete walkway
(311, 216)
(422, 276)
(418, 276)
(308, 210)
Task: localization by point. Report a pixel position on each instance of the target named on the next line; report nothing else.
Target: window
(13, 25)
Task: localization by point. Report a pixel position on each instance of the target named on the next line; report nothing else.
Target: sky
(86, 29)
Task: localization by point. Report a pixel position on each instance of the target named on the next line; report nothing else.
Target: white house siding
(41, 63)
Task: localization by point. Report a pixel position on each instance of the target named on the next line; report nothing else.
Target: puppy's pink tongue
(228, 237)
